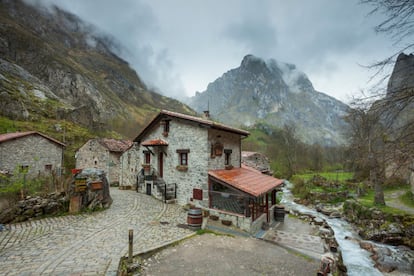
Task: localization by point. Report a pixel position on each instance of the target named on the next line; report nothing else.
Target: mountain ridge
(53, 65)
(275, 93)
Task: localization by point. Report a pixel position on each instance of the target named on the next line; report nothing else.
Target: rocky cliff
(53, 65)
(275, 93)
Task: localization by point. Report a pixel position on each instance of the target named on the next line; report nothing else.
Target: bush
(300, 189)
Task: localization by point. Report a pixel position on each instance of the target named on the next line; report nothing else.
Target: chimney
(206, 114)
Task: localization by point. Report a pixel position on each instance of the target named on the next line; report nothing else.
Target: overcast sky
(180, 46)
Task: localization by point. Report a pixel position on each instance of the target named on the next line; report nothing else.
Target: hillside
(277, 94)
(53, 66)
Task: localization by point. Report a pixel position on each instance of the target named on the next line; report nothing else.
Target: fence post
(130, 245)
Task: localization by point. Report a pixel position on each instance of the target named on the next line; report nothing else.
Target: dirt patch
(209, 254)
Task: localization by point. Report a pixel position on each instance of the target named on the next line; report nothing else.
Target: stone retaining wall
(33, 207)
(375, 225)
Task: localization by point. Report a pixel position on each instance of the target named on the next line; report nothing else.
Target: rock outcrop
(375, 225)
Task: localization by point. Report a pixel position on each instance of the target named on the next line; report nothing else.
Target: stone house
(31, 152)
(198, 162)
(103, 154)
(257, 161)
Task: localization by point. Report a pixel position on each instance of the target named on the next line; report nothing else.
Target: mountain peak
(277, 93)
(401, 77)
(253, 63)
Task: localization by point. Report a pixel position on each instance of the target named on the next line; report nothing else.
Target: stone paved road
(90, 244)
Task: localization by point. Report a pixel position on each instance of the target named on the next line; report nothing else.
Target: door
(161, 164)
(148, 188)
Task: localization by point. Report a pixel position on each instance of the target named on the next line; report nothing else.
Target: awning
(154, 143)
(247, 180)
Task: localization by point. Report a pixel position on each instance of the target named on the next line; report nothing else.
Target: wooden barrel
(279, 213)
(194, 218)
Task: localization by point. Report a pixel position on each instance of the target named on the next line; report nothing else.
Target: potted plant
(182, 168)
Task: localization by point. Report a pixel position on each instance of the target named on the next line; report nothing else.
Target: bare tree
(367, 149)
(394, 106)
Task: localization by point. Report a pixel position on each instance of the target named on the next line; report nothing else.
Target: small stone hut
(257, 161)
(30, 152)
(103, 154)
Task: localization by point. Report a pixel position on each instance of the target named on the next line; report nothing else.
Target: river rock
(325, 231)
(318, 221)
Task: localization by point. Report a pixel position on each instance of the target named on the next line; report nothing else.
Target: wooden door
(161, 164)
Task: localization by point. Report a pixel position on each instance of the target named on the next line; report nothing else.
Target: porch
(244, 196)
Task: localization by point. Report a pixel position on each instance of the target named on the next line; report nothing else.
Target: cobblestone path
(90, 244)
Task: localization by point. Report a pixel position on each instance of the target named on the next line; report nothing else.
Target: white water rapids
(356, 259)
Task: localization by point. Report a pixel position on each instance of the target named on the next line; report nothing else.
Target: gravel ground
(209, 254)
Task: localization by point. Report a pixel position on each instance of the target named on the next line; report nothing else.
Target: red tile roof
(115, 145)
(155, 142)
(247, 180)
(204, 122)
(15, 135)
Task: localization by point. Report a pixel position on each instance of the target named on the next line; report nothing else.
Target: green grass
(333, 176)
(408, 199)
(368, 201)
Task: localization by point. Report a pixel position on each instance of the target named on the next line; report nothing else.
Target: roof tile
(115, 145)
(15, 135)
(247, 180)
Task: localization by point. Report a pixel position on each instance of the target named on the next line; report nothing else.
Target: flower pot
(76, 171)
(96, 185)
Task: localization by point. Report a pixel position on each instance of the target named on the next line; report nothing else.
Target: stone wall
(239, 221)
(34, 207)
(182, 135)
(93, 155)
(130, 166)
(229, 141)
(33, 151)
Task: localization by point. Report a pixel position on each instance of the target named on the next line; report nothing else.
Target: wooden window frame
(183, 157)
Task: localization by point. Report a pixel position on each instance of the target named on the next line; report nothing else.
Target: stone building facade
(31, 152)
(103, 154)
(130, 166)
(170, 137)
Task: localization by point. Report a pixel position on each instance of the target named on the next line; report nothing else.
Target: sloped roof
(247, 180)
(115, 145)
(16, 135)
(207, 123)
(155, 142)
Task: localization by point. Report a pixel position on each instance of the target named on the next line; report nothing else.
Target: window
(183, 156)
(48, 167)
(227, 156)
(166, 125)
(147, 157)
(183, 159)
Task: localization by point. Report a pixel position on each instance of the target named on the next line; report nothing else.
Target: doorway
(161, 164)
(149, 188)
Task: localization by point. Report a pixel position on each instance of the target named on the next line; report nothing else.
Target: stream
(356, 259)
